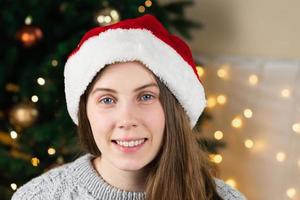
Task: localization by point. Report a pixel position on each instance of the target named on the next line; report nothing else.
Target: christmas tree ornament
(29, 35)
(23, 115)
(107, 16)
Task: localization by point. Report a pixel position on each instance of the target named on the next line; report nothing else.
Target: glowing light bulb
(148, 3)
(237, 122)
(253, 79)
(291, 192)
(28, 20)
(216, 158)
(13, 186)
(35, 161)
(248, 113)
(51, 151)
(231, 182)
(100, 19)
(200, 71)
(41, 81)
(141, 9)
(285, 93)
(221, 99)
(280, 156)
(296, 127)
(249, 143)
(218, 135)
(13, 134)
(54, 63)
(211, 102)
(107, 19)
(115, 15)
(34, 98)
(222, 73)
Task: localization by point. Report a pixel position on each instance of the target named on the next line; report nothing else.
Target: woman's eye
(147, 97)
(106, 101)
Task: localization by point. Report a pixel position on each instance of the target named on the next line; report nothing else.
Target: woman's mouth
(129, 146)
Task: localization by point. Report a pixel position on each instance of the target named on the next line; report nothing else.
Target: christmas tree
(36, 133)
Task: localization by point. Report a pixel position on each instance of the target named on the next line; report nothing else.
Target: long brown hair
(180, 171)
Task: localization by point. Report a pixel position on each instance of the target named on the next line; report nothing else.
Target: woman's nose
(127, 117)
(127, 124)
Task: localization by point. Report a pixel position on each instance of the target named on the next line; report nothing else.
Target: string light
(285, 93)
(248, 113)
(218, 135)
(41, 81)
(296, 127)
(291, 192)
(34, 98)
(107, 19)
(216, 158)
(141, 9)
(222, 73)
(237, 122)
(148, 3)
(211, 102)
(13, 186)
(253, 79)
(107, 16)
(280, 156)
(28, 20)
(221, 99)
(231, 182)
(200, 71)
(115, 15)
(51, 151)
(54, 63)
(249, 143)
(35, 161)
(13, 134)
(100, 19)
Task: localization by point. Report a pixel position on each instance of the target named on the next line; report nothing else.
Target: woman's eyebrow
(135, 90)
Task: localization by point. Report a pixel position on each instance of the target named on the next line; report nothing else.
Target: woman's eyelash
(106, 98)
(109, 100)
(148, 95)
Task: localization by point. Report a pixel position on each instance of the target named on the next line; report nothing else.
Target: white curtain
(271, 168)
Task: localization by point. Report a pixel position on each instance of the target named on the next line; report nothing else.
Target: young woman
(134, 93)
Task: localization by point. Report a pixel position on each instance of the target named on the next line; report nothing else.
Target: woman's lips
(129, 146)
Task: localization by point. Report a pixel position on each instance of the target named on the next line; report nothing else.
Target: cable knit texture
(79, 180)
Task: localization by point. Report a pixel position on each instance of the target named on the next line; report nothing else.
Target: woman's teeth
(131, 143)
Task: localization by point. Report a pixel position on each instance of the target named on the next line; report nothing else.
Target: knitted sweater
(79, 180)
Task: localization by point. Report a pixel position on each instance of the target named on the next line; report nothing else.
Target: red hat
(143, 39)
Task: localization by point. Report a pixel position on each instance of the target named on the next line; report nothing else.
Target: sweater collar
(89, 178)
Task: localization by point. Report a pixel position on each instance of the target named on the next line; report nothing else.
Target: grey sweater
(79, 180)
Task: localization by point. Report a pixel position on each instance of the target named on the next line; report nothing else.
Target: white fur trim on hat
(117, 45)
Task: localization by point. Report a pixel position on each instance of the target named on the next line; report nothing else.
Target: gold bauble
(23, 115)
(107, 16)
(29, 35)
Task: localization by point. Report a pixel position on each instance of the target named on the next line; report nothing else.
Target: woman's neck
(125, 180)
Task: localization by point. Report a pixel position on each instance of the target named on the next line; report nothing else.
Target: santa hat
(143, 39)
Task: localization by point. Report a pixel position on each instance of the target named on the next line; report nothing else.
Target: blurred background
(247, 54)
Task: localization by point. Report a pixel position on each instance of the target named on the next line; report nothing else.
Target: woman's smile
(129, 146)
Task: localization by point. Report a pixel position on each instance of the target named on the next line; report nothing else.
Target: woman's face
(126, 116)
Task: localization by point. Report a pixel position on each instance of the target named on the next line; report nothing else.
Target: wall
(267, 28)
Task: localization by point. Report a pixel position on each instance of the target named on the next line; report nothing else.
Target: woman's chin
(130, 165)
